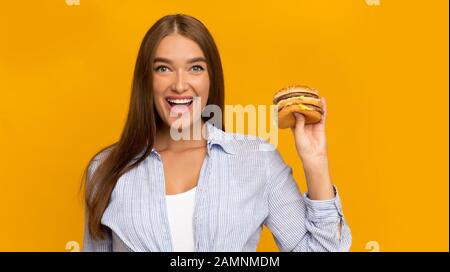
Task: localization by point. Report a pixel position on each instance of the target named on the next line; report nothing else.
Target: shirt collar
(215, 136)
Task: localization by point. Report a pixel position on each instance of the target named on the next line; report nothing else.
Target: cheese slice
(304, 107)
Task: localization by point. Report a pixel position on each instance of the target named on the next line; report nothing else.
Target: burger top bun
(293, 90)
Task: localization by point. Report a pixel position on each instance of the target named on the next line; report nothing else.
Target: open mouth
(179, 104)
(182, 102)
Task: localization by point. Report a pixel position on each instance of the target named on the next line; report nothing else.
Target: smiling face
(180, 75)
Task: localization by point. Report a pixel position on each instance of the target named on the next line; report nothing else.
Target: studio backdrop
(65, 80)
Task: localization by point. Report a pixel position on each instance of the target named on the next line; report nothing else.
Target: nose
(180, 83)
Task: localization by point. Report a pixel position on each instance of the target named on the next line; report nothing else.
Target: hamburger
(301, 99)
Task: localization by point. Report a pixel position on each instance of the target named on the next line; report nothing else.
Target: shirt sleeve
(298, 223)
(89, 244)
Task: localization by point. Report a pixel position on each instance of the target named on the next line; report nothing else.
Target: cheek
(159, 84)
(204, 97)
(204, 94)
(202, 85)
(158, 100)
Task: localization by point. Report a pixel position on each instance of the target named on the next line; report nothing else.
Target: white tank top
(180, 209)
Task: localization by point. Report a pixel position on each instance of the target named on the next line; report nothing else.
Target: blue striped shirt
(244, 184)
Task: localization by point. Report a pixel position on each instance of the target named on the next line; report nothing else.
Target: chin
(184, 124)
(179, 123)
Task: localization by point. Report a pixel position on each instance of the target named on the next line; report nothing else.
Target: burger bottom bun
(286, 117)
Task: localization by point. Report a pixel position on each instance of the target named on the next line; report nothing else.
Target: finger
(324, 108)
(299, 121)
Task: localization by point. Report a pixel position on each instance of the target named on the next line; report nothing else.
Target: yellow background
(65, 77)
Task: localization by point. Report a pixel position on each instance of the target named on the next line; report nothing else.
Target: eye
(200, 68)
(158, 69)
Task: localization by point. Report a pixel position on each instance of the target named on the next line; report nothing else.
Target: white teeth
(179, 101)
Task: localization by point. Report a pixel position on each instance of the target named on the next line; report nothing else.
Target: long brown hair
(138, 135)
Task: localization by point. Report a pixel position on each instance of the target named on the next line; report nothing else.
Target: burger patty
(289, 95)
(319, 109)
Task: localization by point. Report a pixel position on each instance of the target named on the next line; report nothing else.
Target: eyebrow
(159, 59)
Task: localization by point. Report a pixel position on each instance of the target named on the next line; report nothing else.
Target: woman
(151, 192)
